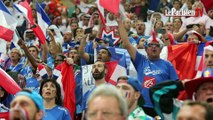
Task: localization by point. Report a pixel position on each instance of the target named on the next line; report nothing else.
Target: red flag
(208, 4)
(111, 5)
(6, 34)
(38, 32)
(183, 57)
(115, 70)
(8, 83)
(68, 82)
(110, 68)
(4, 115)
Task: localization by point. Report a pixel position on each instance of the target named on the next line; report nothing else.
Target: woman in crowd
(50, 90)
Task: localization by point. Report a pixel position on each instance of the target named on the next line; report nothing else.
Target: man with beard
(151, 69)
(99, 71)
(27, 105)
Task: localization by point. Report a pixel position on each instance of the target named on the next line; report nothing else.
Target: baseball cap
(137, 86)
(131, 81)
(134, 83)
(192, 85)
(38, 100)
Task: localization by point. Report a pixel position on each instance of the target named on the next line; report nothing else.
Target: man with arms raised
(151, 70)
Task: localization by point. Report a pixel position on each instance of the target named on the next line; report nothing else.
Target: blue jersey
(85, 98)
(16, 68)
(50, 61)
(151, 73)
(31, 82)
(57, 113)
(7, 100)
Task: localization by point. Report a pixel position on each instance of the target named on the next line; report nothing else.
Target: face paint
(127, 94)
(23, 113)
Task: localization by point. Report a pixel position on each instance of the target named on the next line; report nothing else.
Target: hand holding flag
(25, 9)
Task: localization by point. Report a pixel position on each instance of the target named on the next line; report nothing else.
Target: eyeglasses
(153, 45)
(105, 114)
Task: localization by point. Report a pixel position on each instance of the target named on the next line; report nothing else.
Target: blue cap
(35, 97)
(134, 83)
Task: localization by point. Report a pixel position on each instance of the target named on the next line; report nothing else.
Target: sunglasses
(153, 45)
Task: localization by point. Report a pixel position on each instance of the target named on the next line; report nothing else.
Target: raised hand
(21, 44)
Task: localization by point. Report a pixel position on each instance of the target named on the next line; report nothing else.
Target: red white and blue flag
(42, 71)
(7, 26)
(116, 69)
(25, 9)
(57, 71)
(42, 17)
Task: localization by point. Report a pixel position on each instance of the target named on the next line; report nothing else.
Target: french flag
(7, 26)
(14, 42)
(42, 71)
(25, 9)
(116, 69)
(43, 19)
(57, 71)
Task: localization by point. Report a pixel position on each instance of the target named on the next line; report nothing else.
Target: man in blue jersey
(151, 69)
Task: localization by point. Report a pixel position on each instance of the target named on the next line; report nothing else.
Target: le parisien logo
(184, 13)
